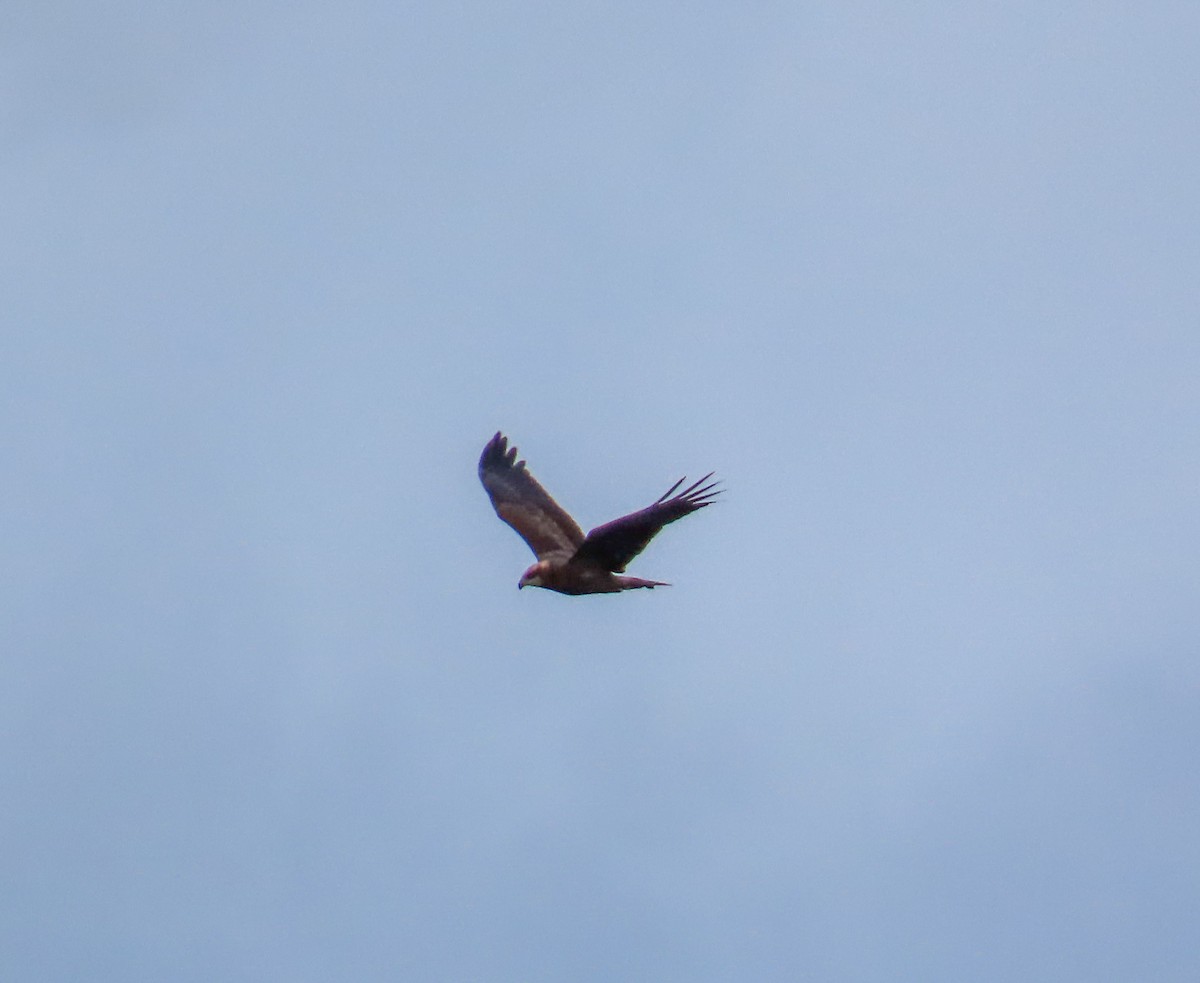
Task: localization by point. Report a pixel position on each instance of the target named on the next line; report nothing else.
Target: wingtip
(498, 452)
(492, 450)
(697, 494)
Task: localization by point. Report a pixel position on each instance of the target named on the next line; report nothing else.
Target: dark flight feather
(614, 544)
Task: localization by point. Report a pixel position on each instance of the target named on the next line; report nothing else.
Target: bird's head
(533, 576)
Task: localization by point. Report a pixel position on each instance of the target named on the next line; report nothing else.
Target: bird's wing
(615, 543)
(524, 504)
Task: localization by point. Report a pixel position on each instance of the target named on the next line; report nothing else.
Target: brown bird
(568, 561)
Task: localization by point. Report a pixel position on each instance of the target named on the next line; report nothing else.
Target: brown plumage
(568, 561)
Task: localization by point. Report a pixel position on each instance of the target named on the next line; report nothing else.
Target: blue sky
(919, 282)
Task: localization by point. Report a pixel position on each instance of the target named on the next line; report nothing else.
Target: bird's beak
(519, 586)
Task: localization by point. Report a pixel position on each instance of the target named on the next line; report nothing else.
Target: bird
(568, 561)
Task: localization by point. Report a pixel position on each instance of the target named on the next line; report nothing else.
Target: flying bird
(568, 561)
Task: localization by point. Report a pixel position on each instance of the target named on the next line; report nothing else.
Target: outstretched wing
(524, 504)
(615, 543)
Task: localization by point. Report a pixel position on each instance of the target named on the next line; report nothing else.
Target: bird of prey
(568, 561)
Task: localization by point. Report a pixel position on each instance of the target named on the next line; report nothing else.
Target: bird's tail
(630, 583)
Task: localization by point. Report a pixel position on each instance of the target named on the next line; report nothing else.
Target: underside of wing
(524, 504)
(614, 544)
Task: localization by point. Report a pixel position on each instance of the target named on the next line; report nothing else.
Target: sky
(919, 282)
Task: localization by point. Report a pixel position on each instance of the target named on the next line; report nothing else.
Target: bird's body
(577, 578)
(568, 561)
